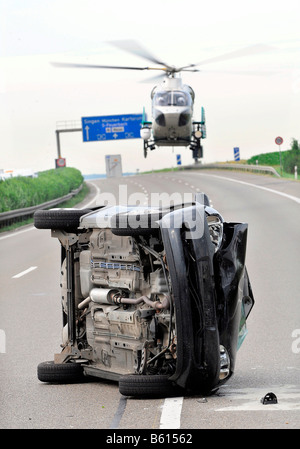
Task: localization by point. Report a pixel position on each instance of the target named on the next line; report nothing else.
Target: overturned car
(155, 298)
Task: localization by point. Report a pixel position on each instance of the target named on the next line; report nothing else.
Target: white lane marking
(277, 192)
(2, 342)
(249, 399)
(95, 197)
(16, 276)
(13, 234)
(171, 411)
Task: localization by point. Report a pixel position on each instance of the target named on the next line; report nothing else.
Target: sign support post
(279, 141)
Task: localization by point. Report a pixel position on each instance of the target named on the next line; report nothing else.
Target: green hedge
(20, 192)
(289, 158)
(292, 157)
(268, 158)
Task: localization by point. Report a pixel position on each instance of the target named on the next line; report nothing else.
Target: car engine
(124, 313)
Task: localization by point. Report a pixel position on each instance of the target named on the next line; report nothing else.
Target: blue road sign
(111, 127)
(236, 152)
(178, 159)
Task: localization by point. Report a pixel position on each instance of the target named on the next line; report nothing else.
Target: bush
(292, 157)
(20, 192)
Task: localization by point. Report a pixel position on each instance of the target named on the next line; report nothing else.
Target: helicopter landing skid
(197, 149)
(148, 146)
(194, 142)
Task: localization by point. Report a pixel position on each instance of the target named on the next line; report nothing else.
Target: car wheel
(60, 372)
(65, 219)
(156, 385)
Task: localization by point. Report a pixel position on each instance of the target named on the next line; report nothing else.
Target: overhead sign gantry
(102, 128)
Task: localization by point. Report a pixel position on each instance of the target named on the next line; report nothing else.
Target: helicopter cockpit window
(162, 99)
(180, 99)
(172, 98)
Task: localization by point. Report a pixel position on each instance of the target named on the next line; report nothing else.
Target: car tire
(148, 386)
(133, 225)
(65, 219)
(60, 372)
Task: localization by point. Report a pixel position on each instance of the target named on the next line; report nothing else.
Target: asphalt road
(268, 361)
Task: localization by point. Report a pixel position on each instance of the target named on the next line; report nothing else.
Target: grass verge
(67, 204)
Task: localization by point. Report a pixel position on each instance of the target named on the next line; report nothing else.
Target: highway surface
(268, 361)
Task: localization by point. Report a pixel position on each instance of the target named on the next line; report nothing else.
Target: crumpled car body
(154, 298)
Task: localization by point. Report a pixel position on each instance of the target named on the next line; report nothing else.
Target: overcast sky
(242, 110)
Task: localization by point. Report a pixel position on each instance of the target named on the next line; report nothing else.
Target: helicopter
(172, 113)
(172, 101)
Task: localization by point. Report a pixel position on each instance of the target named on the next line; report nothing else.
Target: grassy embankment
(273, 160)
(21, 192)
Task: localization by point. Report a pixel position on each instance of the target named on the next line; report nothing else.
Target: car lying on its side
(155, 298)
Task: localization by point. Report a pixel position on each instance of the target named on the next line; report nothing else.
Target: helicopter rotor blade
(246, 51)
(258, 72)
(188, 70)
(135, 48)
(97, 66)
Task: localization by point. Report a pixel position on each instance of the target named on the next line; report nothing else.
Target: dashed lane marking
(16, 276)
(171, 412)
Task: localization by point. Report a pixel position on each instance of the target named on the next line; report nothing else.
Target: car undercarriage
(155, 298)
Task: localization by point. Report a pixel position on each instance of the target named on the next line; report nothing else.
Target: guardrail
(246, 167)
(9, 217)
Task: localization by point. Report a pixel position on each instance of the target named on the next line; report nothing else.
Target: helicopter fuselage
(172, 113)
